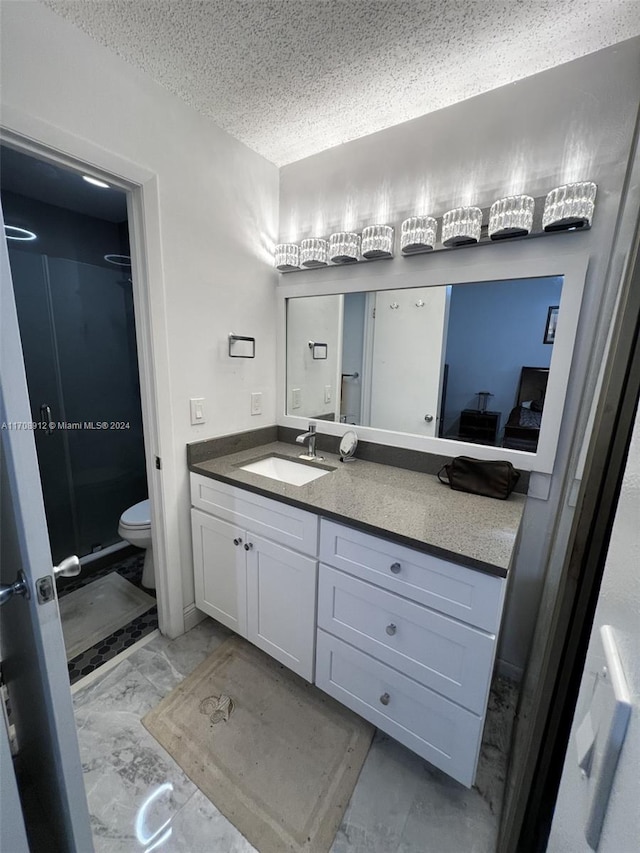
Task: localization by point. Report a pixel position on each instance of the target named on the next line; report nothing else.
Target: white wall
(316, 319)
(218, 214)
(570, 123)
(618, 606)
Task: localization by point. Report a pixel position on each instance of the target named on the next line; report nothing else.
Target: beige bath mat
(94, 611)
(278, 757)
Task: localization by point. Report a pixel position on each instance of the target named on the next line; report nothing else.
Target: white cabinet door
(219, 565)
(281, 604)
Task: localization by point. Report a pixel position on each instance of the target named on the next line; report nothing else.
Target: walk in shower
(73, 289)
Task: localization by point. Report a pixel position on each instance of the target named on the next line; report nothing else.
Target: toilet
(135, 527)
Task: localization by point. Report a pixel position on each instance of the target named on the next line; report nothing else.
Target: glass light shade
(377, 242)
(461, 226)
(287, 257)
(314, 253)
(511, 217)
(344, 247)
(418, 234)
(570, 206)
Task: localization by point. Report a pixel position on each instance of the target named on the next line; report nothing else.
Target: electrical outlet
(196, 407)
(256, 403)
(327, 393)
(296, 398)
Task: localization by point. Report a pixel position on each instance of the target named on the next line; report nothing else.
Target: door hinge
(158, 463)
(45, 589)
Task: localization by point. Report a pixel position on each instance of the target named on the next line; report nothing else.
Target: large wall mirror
(478, 366)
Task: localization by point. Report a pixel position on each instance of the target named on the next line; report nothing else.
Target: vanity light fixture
(12, 232)
(344, 247)
(287, 257)
(95, 182)
(377, 242)
(418, 234)
(569, 207)
(314, 253)
(461, 226)
(511, 217)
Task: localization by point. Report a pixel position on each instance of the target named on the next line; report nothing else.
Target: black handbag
(493, 479)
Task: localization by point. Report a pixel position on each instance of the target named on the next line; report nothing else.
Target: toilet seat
(137, 516)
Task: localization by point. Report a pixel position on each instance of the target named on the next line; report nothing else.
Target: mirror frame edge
(526, 259)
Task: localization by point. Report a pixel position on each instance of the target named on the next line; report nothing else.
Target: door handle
(428, 418)
(45, 417)
(68, 568)
(18, 587)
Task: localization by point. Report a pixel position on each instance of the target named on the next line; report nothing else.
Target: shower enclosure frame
(40, 139)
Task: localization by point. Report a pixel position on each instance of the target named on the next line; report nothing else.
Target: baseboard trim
(192, 617)
(509, 670)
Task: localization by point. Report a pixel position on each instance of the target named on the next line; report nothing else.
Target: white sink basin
(285, 470)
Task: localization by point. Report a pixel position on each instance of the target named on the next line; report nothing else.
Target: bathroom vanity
(378, 584)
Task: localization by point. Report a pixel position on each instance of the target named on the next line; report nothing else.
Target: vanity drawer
(463, 593)
(277, 521)
(441, 653)
(445, 734)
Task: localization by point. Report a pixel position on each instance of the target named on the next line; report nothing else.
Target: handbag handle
(444, 468)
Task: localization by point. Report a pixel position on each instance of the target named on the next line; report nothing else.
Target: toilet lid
(138, 515)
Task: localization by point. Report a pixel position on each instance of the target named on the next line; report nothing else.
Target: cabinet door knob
(384, 699)
(391, 629)
(248, 546)
(395, 568)
(428, 418)
(237, 541)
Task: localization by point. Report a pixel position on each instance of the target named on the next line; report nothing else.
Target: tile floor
(400, 803)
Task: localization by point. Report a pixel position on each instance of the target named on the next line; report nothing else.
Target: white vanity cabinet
(408, 641)
(255, 569)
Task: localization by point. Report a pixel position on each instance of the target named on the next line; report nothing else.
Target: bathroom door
(409, 339)
(47, 764)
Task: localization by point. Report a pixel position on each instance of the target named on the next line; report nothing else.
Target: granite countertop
(411, 508)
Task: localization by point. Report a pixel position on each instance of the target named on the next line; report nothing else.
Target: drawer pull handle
(248, 546)
(237, 541)
(384, 699)
(391, 629)
(395, 568)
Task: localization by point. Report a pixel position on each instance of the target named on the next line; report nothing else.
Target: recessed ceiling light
(96, 182)
(12, 232)
(118, 260)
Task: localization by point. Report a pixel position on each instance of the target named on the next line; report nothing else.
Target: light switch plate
(196, 406)
(327, 393)
(256, 403)
(610, 710)
(296, 398)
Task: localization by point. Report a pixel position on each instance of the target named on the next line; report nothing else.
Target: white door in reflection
(409, 338)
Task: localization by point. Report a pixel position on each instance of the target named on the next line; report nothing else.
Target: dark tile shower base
(129, 566)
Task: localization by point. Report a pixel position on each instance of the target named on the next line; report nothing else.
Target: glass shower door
(78, 332)
(31, 286)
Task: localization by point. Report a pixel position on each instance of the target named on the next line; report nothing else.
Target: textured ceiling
(290, 78)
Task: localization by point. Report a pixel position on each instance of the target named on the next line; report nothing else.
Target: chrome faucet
(311, 435)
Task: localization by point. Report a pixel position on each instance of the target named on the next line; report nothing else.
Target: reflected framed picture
(550, 328)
